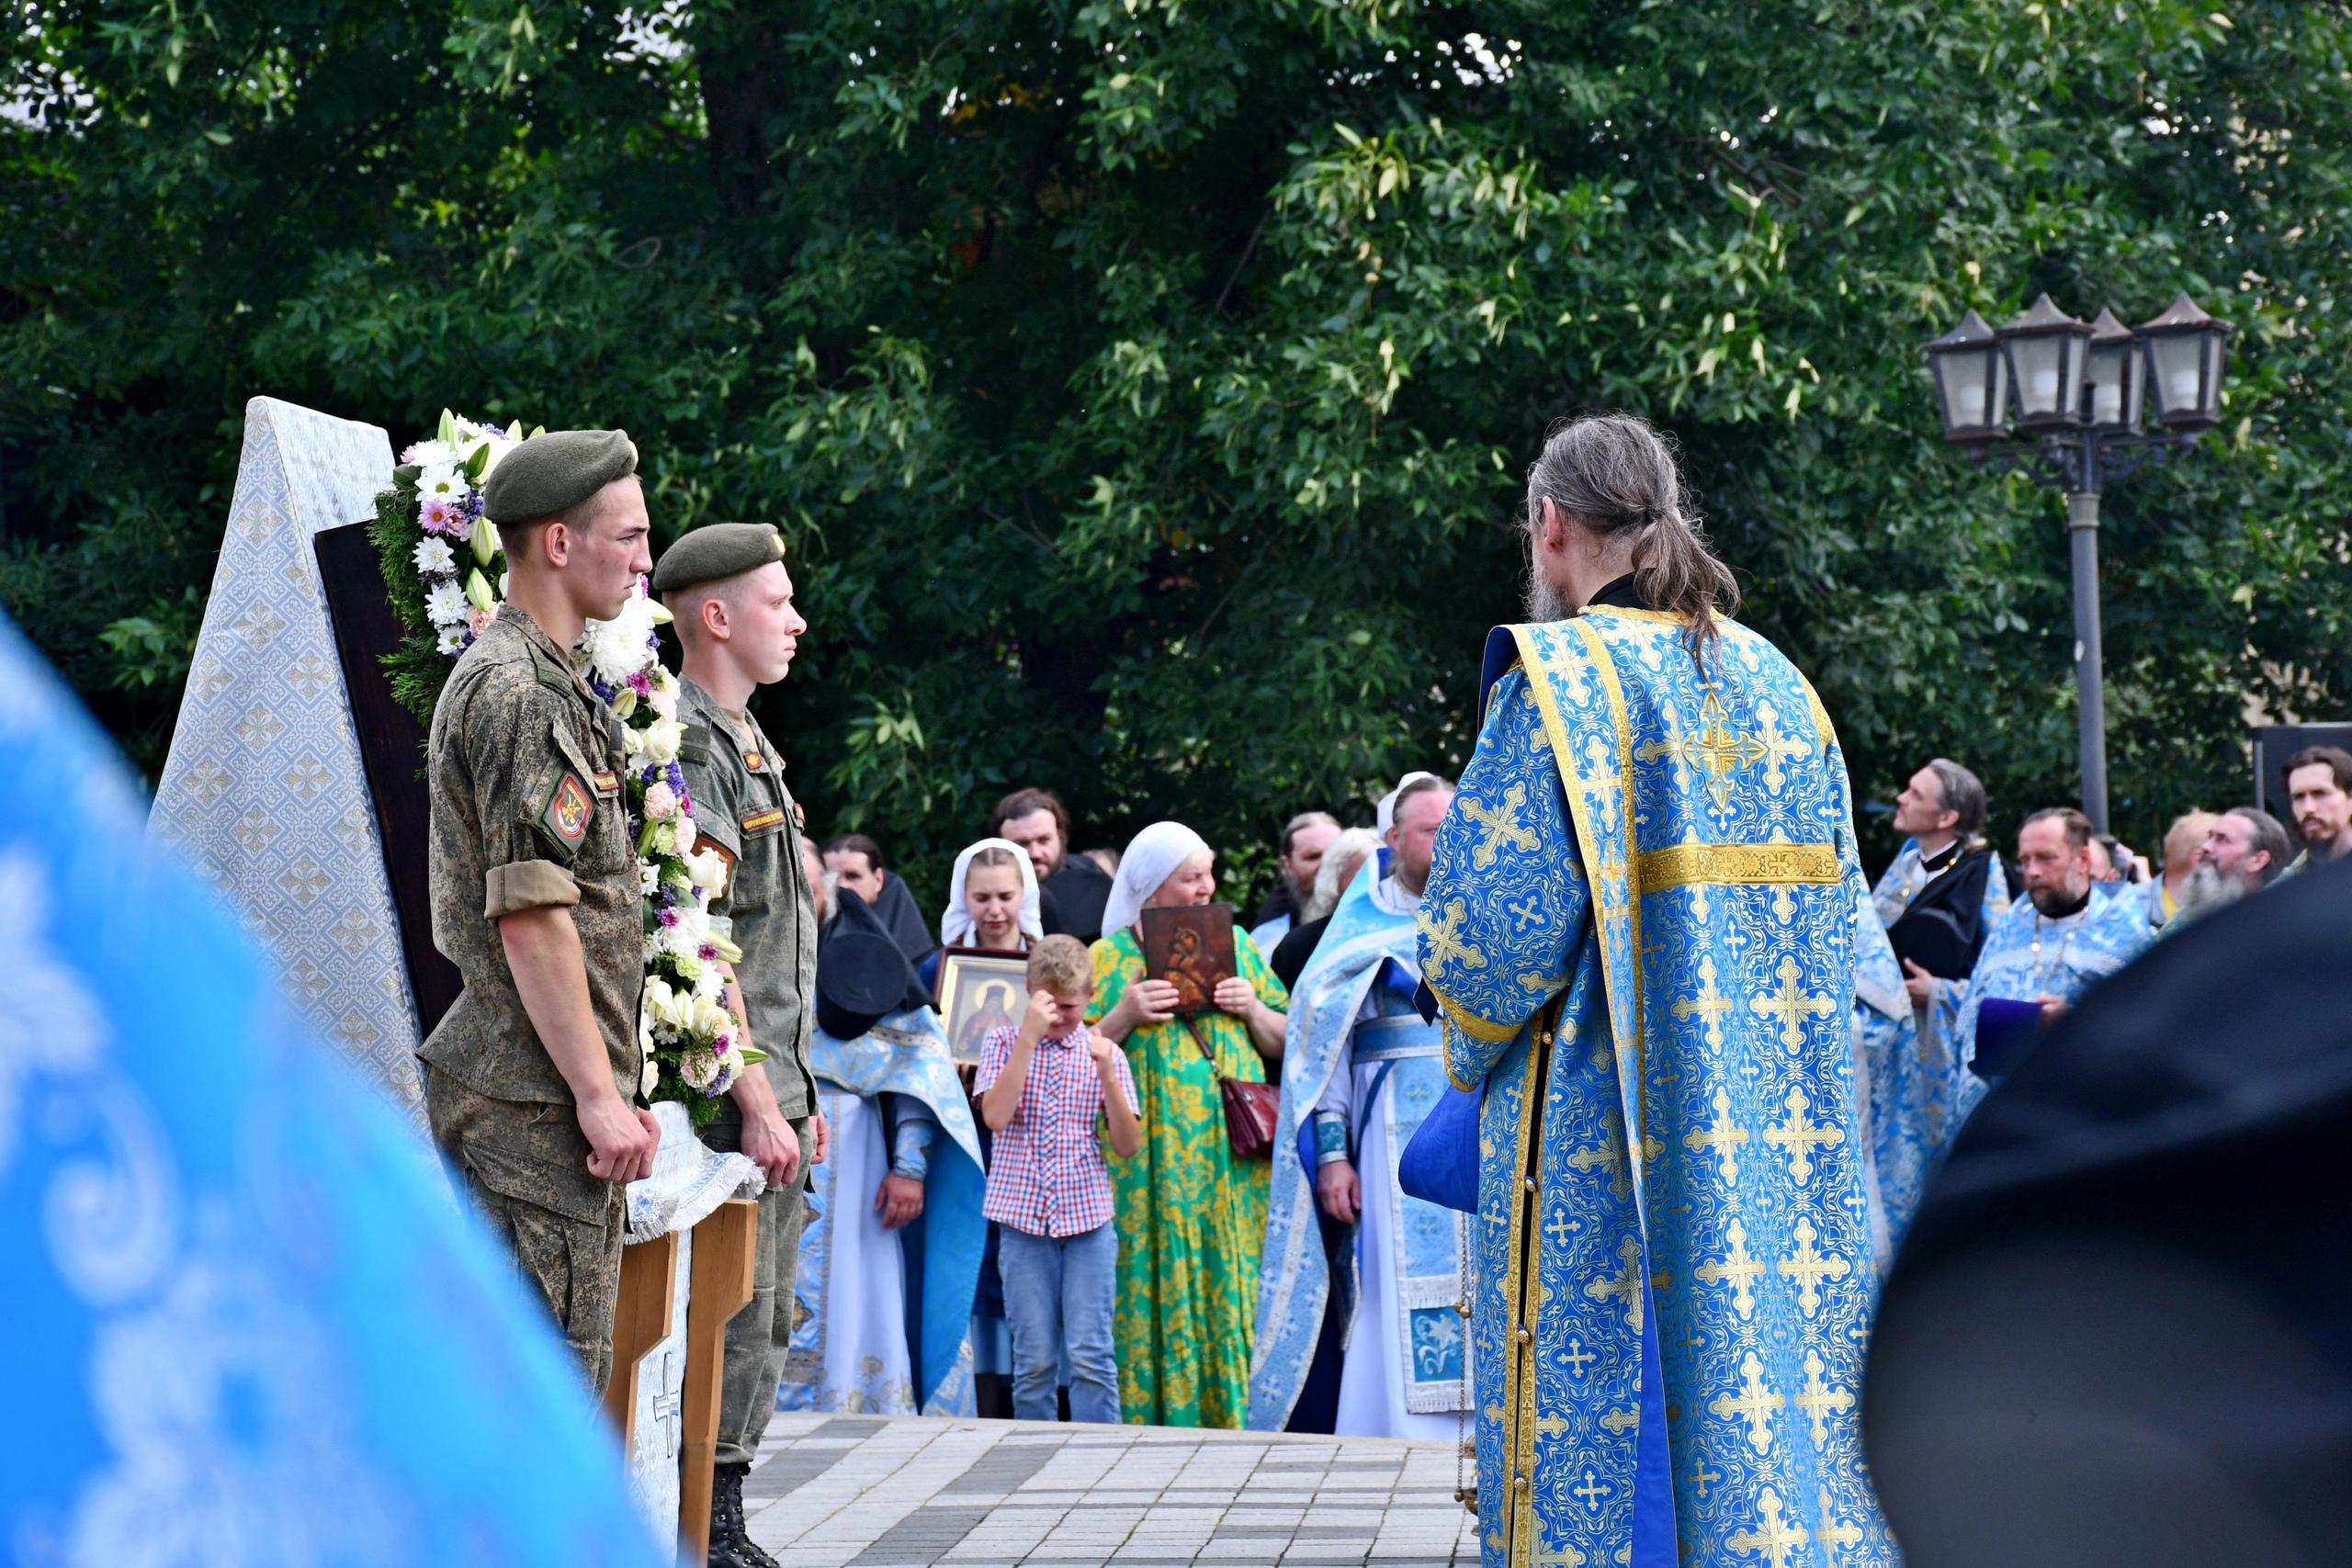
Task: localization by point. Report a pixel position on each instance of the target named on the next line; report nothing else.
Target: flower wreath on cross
(444, 570)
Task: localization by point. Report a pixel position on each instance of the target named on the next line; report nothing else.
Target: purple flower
(707, 953)
(642, 683)
(667, 918)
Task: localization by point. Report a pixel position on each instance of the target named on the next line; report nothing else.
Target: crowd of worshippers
(1151, 1298)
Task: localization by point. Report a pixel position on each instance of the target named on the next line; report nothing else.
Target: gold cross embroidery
(1721, 1136)
(1754, 1404)
(1791, 1004)
(1715, 750)
(1626, 1282)
(1710, 1004)
(1560, 1229)
(1835, 1532)
(1576, 1358)
(1778, 1540)
(1737, 1266)
(1445, 939)
(1500, 825)
(1619, 1422)
(1593, 1490)
(1821, 1400)
(1810, 1267)
(1777, 746)
(1799, 1136)
(1611, 1153)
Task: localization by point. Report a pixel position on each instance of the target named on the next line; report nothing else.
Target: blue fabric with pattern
(249, 1321)
(1656, 858)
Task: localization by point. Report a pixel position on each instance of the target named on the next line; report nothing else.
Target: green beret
(717, 550)
(555, 471)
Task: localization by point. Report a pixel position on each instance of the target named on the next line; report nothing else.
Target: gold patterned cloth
(1640, 926)
(1191, 1218)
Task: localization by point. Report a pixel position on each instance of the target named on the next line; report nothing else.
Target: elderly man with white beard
(2245, 851)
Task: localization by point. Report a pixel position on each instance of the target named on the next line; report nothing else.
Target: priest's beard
(1545, 603)
(2206, 888)
(2056, 902)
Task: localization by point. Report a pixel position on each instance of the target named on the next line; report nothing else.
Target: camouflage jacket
(527, 808)
(741, 805)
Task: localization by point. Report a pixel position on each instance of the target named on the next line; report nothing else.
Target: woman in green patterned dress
(1191, 1218)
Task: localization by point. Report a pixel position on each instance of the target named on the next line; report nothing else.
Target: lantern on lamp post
(2074, 391)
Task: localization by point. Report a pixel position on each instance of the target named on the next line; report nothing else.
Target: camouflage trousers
(759, 1336)
(525, 1165)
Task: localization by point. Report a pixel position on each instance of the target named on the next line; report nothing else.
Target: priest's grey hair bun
(1614, 473)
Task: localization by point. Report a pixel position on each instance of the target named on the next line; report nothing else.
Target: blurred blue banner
(242, 1320)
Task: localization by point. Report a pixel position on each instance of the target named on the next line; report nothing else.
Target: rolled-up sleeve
(527, 884)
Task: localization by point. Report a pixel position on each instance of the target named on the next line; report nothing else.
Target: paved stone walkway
(833, 1491)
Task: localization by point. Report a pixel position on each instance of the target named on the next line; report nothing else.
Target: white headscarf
(1151, 859)
(955, 928)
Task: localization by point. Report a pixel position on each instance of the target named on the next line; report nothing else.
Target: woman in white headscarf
(1191, 1218)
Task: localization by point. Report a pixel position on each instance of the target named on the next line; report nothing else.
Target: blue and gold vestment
(1640, 926)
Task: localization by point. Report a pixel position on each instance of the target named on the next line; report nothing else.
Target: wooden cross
(1809, 1268)
(1721, 1136)
(1791, 1004)
(1778, 1540)
(1625, 1283)
(1500, 825)
(1799, 1136)
(1593, 1490)
(1835, 1532)
(1443, 934)
(1710, 1004)
(1738, 1267)
(1820, 1400)
(1753, 1404)
(1576, 1358)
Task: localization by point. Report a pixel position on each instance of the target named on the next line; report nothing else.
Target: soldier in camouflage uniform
(726, 586)
(532, 1080)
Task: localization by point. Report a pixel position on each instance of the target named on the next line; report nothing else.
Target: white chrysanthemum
(652, 1078)
(434, 559)
(446, 603)
(451, 640)
(621, 646)
(429, 455)
(701, 1071)
(442, 480)
(710, 982)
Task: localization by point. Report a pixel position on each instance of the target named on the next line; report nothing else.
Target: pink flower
(442, 515)
(667, 918)
(660, 802)
(709, 954)
(480, 620)
(642, 683)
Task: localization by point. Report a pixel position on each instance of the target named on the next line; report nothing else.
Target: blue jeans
(1057, 1295)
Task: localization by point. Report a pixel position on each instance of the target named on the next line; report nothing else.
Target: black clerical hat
(2120, 1329)
(862, 976)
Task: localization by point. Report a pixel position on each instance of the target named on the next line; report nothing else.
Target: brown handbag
(1251, 1110)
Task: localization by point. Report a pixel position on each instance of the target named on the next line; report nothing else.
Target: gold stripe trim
(1470, 1023)
(1734, 865)
(1663, 617)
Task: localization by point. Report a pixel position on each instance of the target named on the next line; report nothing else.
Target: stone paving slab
(910, 1492)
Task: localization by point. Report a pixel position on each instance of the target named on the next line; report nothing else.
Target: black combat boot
(730, 1540)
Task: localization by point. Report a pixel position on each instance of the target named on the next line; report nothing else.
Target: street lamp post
(2074, 393)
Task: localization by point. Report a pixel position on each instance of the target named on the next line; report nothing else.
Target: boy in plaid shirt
(1042, 1088)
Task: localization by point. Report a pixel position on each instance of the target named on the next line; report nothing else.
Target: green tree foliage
(1145, 386)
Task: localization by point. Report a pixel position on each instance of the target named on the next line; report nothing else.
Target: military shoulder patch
(755, 762)
(759, 820)
(696, 746)
(607, 781)
(800, 818)
(565, 815)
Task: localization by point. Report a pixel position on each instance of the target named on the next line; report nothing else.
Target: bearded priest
(1640, 926)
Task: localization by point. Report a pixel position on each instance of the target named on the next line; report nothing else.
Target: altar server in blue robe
(2054, 946)
(890, 1255)
(1640, 930)
(1383, 1267)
